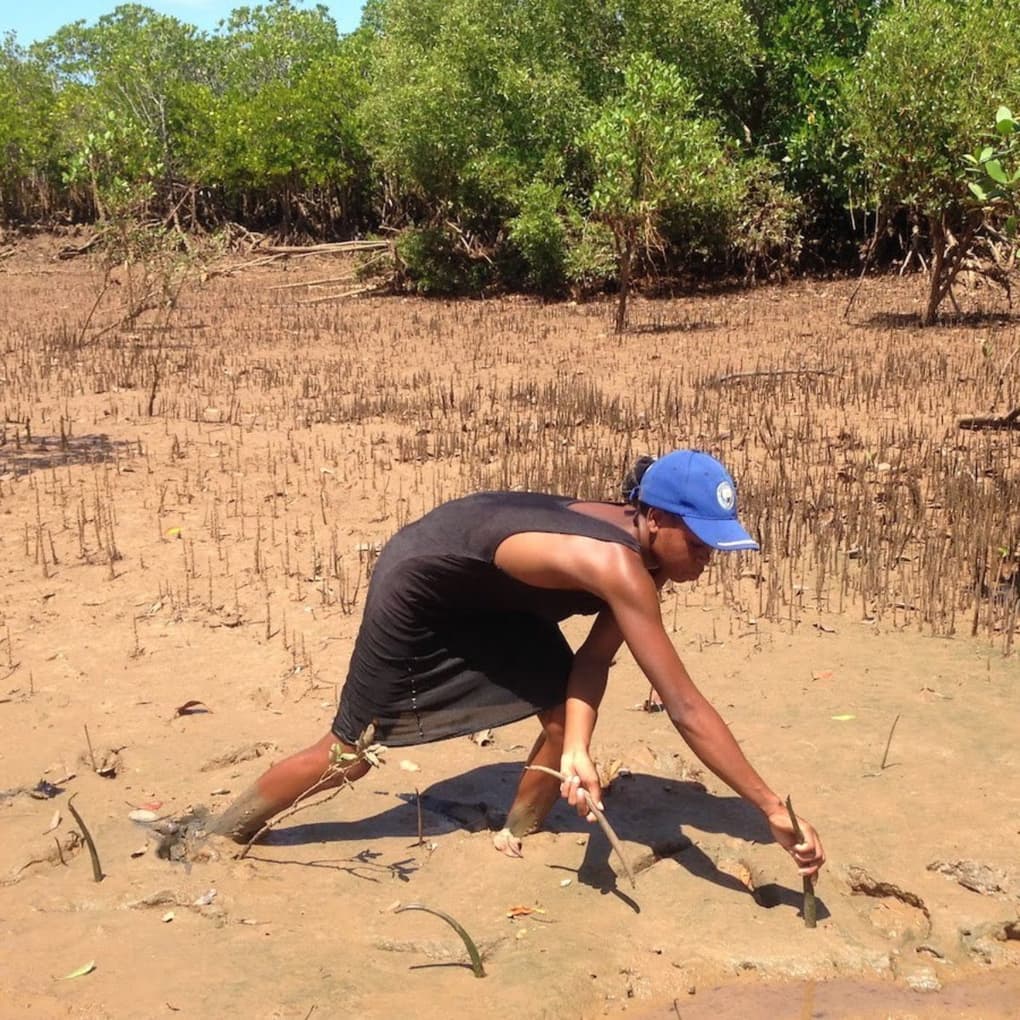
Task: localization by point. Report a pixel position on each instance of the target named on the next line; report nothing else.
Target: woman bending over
(460, 633)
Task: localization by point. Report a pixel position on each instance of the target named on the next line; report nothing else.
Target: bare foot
(507, 843)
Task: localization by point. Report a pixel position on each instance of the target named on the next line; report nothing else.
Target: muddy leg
(536, 792)
(280, 787)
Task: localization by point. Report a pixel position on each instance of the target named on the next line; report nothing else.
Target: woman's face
(682, 555)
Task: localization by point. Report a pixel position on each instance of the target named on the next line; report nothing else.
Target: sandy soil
(242, 517)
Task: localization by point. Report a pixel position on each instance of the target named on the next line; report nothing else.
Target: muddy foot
(186, 838)
(507, 843)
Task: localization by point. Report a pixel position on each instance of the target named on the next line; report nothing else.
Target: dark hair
(632, 479)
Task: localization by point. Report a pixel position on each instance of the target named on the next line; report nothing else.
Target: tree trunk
(936, 292)
(626, 257)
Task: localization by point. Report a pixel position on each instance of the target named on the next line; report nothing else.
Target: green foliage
(916, 101)
(809, 48)
(539, 233)
(436, 263)
(765, 230)
(590, 260)
(286, 96)
(123, 92)
(570, 142)
(915, 104)
(468, 103)
(472, 100)
(26, 128)
(993, 171)
(711, 43)
(651, 156)
(648, 150)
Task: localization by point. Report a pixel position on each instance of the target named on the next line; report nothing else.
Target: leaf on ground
(523, 911)
(54, 822)
(85, 968)
(822, 674)
(192, 708)
(843, 718)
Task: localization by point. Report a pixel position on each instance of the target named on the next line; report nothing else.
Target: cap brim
(725, 535)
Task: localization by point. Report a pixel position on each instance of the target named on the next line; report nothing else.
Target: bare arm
(617, 576)
(587, 682)
(635, 606)
(585, 688)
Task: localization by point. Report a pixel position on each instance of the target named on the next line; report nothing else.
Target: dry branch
(336, 297)
(315, 283)
(268, 254)
(1005, 423)
(337, 248)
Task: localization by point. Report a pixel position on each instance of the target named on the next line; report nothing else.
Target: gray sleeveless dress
(449, 643)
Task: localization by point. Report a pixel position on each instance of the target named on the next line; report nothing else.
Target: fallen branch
(337, 248)
(336, 297)
(315, 283)
(1006, 422)
(614, 840)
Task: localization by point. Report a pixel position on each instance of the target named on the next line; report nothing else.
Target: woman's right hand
(580, 773)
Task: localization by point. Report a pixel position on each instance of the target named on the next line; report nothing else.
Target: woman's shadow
(644, 809)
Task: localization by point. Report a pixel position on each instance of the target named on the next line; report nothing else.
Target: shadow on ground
(44, 452)
(643, 809)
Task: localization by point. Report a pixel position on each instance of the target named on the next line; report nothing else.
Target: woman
(460, 633)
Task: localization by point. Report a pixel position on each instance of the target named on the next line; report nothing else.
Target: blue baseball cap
(697, 488)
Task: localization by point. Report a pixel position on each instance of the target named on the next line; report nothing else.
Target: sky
(32, 20)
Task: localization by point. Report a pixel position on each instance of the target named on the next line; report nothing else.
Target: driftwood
(1006, 422)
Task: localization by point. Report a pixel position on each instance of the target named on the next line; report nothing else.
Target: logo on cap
(725, 496)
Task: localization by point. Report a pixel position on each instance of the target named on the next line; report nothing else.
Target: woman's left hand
(581, 775)
(809, 854)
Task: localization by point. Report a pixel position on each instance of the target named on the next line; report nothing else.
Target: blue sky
(32, 20)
